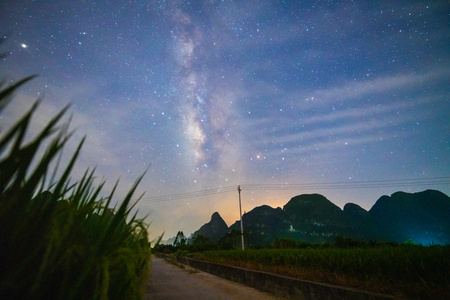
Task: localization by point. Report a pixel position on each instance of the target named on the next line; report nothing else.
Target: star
(203, 93)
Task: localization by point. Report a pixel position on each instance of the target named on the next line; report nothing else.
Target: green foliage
(412, 271)
(347, 242)
(61, 240)
(180, 240)
(285, 243)
(231, 240)
(181, 252)
(163, 248)
(201, 243)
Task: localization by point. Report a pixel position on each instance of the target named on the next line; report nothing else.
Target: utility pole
(240, 213)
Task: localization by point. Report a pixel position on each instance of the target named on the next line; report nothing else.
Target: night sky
(349, 99)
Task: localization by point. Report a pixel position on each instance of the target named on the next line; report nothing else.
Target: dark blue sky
(347, 99)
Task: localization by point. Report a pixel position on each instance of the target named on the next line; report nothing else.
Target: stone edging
(281, 285)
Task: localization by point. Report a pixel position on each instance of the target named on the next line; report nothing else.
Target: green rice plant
(406, 271)
(62, 240)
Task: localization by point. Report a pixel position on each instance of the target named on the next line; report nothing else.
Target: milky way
(203, 106)
(346, 99)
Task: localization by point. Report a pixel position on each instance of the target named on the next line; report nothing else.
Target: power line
(354, 184)
(181, 196)
(303, 186)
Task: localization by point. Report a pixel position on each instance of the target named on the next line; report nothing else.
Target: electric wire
(302, 186)
(348, 185)
(187, 195)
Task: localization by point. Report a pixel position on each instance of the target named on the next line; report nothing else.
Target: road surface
(169, 282)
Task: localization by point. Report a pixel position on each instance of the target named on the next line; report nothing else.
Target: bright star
(24, 46)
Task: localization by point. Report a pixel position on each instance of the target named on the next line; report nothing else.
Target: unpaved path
(169, 282)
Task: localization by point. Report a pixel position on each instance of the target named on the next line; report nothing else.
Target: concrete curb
(280, 285)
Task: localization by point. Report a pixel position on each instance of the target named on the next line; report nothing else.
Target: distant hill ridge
(421, 218)
(214, 229)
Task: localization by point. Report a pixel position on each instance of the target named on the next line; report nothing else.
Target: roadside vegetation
(402, 270)
(61, 239)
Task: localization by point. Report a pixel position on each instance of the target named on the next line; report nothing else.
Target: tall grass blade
(61, 240)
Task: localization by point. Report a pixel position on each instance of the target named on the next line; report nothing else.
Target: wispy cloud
(325, 130)
(357, 89)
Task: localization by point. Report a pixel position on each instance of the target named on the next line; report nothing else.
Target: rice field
(404, 270)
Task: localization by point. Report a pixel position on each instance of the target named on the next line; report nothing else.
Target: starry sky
(349, 99)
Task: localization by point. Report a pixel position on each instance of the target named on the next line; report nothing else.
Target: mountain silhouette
(263, 224)
(214, 229)
(421, 218)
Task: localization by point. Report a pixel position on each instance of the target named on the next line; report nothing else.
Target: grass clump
(61, 240)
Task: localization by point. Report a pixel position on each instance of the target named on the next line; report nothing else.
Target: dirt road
(169, 282)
